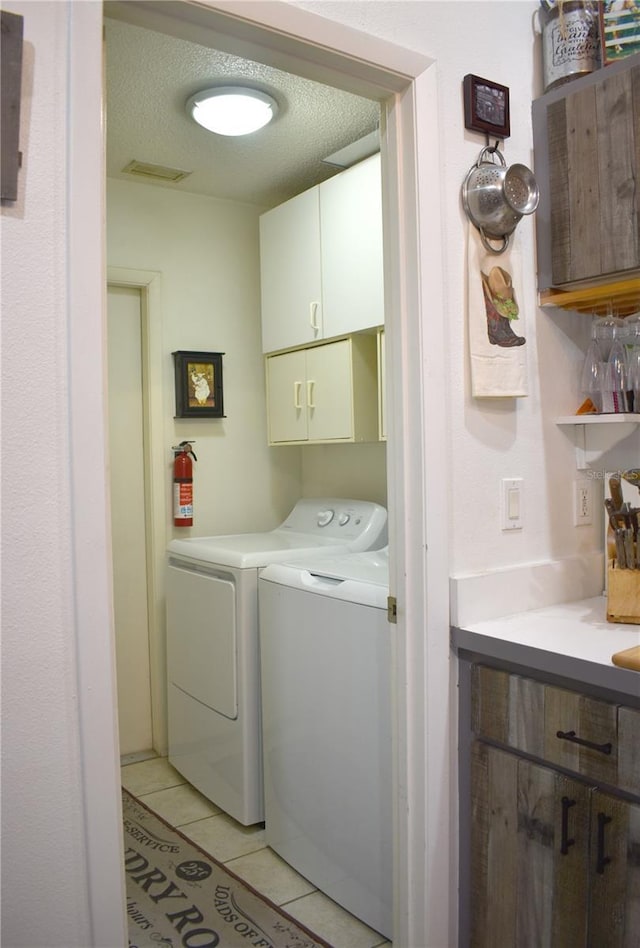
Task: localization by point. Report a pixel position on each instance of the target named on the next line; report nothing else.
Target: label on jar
(570, 46)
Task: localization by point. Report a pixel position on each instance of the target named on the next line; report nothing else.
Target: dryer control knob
(325, 517)
(344, 519)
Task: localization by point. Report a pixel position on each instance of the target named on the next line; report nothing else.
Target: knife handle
(621, 556)
(615, 489)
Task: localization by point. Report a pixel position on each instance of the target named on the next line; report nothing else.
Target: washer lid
(353, 577)
(371, 566)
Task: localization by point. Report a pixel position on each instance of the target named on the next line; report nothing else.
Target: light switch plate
(511, 503)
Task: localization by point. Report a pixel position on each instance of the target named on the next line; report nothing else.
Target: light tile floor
(243, 849)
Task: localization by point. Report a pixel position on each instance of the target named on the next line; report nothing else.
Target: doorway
(136, 446)
(128, 518)
(424, 885)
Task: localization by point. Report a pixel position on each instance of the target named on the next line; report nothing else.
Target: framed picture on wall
(198, 381)
(486, 106)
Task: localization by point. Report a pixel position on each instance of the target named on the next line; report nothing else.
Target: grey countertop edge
(623, 681)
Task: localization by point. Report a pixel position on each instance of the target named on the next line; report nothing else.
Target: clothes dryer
(213, 663)
(326, 699)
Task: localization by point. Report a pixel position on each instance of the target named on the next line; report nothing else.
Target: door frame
(149, 283)
(425, 856)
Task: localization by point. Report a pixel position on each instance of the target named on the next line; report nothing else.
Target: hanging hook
(491, 148)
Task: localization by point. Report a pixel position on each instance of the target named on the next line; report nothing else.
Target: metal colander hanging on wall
(495, 197)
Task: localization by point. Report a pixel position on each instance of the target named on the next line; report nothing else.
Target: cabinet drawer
(508, 709)
(581, 734)
(560, 726)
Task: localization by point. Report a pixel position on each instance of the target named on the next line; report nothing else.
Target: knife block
(623, 595)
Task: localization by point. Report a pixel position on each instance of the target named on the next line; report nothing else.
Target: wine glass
(617, 375)
(592, 369)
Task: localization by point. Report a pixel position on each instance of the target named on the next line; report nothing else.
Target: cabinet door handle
(296, 395)
(571, 736)
(566, 842)
(313, 316)
(601, 859)
(310, 391)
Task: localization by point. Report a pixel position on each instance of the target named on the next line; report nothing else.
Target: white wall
(492, 439)
(208, 254)
(45, 842)
(346, 470)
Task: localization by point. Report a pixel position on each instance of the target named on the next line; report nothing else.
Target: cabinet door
(290, 273)
(286, 397)
(352, 261)
(614, 918)
(591, 142)
(529, 854)
(330, 392)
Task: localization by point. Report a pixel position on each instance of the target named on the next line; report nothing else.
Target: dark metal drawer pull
(601, 859)
(571, 736)
(565, 842)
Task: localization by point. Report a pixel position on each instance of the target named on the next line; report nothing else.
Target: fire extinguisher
(183, 484)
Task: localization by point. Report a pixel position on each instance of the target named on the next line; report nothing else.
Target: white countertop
(571, 639)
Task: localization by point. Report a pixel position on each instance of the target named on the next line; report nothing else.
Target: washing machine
(326, 718)
(213, 665)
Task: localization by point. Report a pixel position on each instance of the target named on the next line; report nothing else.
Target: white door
(330, 391)
(290, 278)
(286, 395)
(352, 261)
(128, 524)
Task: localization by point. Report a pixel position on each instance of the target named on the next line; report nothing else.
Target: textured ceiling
(151, 75)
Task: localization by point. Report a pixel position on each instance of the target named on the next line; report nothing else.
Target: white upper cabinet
(291, 284)
(321, 261)
(351, 249)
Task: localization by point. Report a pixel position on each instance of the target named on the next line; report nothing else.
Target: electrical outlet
(582, 503)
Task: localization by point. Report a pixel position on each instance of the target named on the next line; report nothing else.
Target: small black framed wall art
(486, 107)
(198, 381)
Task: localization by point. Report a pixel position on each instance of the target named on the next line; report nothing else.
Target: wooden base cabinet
(555, 856)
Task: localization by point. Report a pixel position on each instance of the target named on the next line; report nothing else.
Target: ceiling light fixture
(232, 110)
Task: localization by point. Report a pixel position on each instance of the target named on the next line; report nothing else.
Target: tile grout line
(182, 828)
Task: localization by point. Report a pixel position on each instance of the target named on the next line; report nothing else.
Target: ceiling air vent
(143, 169)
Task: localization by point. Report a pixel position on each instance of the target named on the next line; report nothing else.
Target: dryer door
(201, 635)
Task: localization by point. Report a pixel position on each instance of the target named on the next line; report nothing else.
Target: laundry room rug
(178, 895)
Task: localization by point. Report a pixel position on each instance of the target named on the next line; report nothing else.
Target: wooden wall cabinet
(321, 261)
(555, 822)
(587, 162)
(324, 393)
